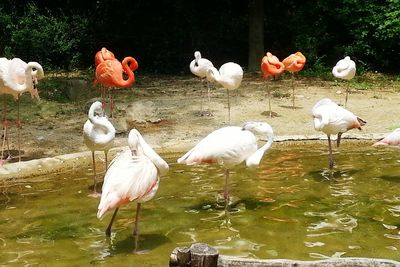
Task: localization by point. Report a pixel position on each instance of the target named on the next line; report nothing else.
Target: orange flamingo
(294, 63)
(110, 72)
(103, 55)
(270, 67)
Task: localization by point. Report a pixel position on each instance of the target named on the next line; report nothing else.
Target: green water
(290, 207)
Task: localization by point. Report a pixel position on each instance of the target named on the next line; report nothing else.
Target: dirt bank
(173, 111)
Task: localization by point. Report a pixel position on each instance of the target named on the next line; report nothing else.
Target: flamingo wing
(128, 178)
(226, 146)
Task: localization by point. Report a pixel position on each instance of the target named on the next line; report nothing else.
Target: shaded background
(162, 35)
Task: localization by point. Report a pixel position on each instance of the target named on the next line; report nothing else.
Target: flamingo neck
(161, 165)
(213, 75)
(129, 71)
(255, 158)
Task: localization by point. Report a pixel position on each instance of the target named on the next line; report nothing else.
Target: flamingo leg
(108, 230)
(226, 189)
(339, 137)
(19, 129)
(201, 102)
(111, 103)
(293, 89)
(229, 107)
(208, 93)
(106, 158)
(94, 194)
(331, 162)
(269, 102)
(136, 227)
(347, 93)
(103, 98)
(5, 132)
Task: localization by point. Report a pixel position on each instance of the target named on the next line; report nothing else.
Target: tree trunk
(256, 34)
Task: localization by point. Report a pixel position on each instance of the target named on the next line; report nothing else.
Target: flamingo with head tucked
(345, 69)
(229, 75)
(98, 135)
(294, 63)
(132, 176)
(392, 139)
(110, 72)
(229, 146)
(270, 67)
(17, 77)
(330, 118)
(199, 66)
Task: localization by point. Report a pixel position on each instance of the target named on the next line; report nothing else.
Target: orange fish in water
(271, 66)
(294, 62)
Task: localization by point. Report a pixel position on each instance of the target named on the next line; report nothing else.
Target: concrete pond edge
(67, 162)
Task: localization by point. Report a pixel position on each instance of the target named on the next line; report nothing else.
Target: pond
(291, 207)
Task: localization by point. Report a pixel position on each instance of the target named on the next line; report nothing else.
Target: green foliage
(53, 41)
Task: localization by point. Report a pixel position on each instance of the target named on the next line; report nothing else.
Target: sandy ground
(172, 112)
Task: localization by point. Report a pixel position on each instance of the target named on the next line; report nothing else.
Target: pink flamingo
(229, 75)
(330, 118)
(294, 63)
(17, 77)
(132, 176)
(229, 146)
(110, 72)
(199, 66)
(392, 139)
(270, 67)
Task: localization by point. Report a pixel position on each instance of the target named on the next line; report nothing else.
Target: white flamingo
(98, 135)
(17, 77)
(392, 139)
(345, 69)
(199, 66)
(229, 75)
(330, 118)
(229, 146)
(132, 176)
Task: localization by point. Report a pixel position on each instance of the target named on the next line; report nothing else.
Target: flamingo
(345, 69)
(229, 75)
(98, 135)
(103, 55)
(229, 146)
(110, 72)
(271, 66)
(294, 63)
(132, 175)
(392, 139)
(17, 77)
(330, 118)
(199, 66)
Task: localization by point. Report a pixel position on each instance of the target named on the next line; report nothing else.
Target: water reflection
(292, 206)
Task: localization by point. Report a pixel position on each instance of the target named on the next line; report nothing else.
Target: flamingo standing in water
(17, 77)
(199, 66)
(229, 146)
(294, 63)
(330, 118)
(270, 67)
(345, 69)
(132, 176)
(98, 135)
(110, 72)
(392, 139)
(229, 75)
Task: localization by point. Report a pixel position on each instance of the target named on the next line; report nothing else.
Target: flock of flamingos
(133, 175)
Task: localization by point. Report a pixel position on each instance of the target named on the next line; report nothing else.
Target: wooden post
(198, 255)
(203, 255)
